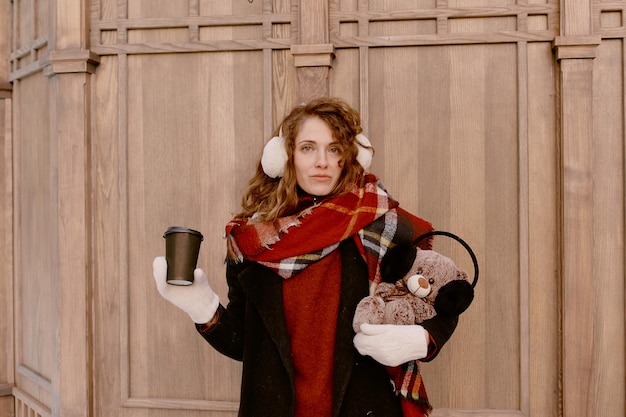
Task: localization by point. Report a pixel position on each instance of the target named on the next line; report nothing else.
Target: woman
(303, 252)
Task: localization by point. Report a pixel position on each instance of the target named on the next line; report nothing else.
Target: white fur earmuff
(274, 156)
(365, 155)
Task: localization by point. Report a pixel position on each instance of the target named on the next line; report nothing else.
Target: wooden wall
(500, 122)
(6, 226)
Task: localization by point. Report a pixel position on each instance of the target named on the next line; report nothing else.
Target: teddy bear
(417, 285)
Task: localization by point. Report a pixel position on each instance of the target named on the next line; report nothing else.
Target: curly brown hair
(271, 198)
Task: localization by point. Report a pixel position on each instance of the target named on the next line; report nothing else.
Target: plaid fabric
(289, 244)
(408, 383)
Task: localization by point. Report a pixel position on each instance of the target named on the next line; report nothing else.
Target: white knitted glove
(391, 344)
(198, 299)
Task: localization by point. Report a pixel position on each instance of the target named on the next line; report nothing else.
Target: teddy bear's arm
(369, 310)
(440, 329)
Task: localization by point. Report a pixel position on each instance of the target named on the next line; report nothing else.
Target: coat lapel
(354, 286)
(264, 290)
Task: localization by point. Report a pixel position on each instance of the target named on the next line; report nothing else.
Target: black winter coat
(253, 329)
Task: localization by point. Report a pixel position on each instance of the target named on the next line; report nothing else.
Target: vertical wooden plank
(281, 76)
(109, 234)
(364, 87)
(70, 87)
(95, 15)
(35, 243)
(609, 280)
(313, 21)
(268, 125)
(576, 17)
(6, 257)
(72, 383)
(120, 245)
(524, 255)
(574, 48)
(16, 221)
(578, 316)
(6, 221)
(364, 108)
(68, 24)
(313, 79)
(543, 231)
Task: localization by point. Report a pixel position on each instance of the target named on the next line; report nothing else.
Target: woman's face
(316, 157)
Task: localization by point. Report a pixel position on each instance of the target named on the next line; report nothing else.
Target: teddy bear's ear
(397, 262)
(462, 275)
(454, 297)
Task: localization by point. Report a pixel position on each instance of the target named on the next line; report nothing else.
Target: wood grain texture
(577, 238)
(543, 225)
(71, 380)
(458, 167)
(608, 208)
(7, 378)
(36, 243)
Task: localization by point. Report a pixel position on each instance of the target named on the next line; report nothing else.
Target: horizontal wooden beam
(313, 55)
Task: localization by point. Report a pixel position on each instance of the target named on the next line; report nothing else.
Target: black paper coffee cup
(182, 247)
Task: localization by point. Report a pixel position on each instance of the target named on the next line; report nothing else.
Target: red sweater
(311, 301)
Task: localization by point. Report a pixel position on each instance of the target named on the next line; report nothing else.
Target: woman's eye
(335, 150)
(306, 148)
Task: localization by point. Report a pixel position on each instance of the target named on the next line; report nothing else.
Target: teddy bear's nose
(418, 285)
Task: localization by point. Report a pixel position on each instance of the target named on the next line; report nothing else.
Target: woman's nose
(321, 159)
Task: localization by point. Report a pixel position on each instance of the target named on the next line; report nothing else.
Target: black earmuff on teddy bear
(454, 296)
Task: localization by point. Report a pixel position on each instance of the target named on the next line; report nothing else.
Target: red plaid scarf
(367, 214)
(291, 243)
(408, 383)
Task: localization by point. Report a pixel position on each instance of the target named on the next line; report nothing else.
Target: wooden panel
(109, 142)
(36, 316)
(542, 224)
(578, 318)
(188, 161)
(7, 378)
(70, 94)
(182, 154)
(25, 19)
(70, 29)
(444, 123)
(345, 81)
(608, 269)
